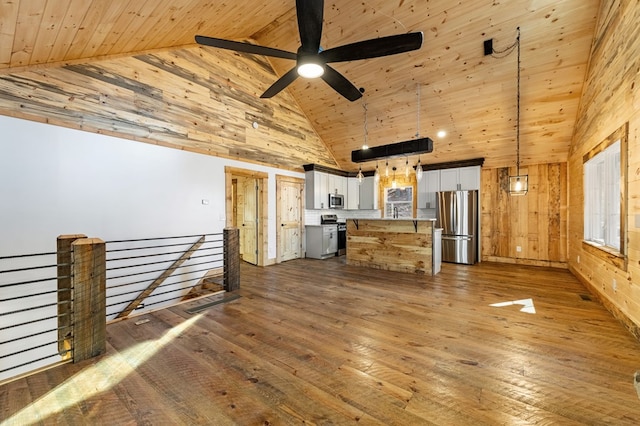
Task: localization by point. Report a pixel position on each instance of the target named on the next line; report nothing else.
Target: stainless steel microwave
(336, 201)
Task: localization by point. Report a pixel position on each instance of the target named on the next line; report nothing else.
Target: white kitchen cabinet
(316, 190)
(337, 185)
(368, 194)
(462, 178)
(428, 186)
(353, 194)
(469, 178)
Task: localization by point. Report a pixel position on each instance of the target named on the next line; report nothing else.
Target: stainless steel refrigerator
(457, 215)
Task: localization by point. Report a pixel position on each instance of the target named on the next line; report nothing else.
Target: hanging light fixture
(365, 144)
(376, 175)
(406, 168)
(386, 169)
(360, 176)
(394, 184)
(518, 184)
(418, 166)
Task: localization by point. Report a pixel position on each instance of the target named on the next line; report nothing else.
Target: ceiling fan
(312, 60)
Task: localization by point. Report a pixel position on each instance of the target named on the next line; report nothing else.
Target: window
(602, 198)
(398, 202)
(605, 198)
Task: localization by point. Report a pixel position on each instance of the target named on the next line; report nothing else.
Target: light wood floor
(319, 342)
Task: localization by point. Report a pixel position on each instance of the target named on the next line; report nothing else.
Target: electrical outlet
(518, 249)
(488, 47)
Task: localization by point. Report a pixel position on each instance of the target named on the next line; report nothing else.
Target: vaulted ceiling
(449, 83)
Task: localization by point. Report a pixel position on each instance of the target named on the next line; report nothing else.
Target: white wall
(55, 180)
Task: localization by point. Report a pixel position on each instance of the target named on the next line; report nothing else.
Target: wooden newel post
(88, 279)
(65, 296)
(231, 241)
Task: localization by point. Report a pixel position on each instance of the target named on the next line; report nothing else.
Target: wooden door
(289, 192)
(248, 208)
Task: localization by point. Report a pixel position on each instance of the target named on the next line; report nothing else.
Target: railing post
(231, 242)
(63, 246)
(88, 278)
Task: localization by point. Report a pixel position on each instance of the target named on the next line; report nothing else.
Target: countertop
(398, 219)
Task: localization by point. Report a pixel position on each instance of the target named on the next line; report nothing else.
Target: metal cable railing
(29, 313)
(51, 309)
(134, 267)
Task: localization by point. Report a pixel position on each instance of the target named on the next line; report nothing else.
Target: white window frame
(602, 198)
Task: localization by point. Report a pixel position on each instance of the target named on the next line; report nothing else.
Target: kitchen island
(402, 245)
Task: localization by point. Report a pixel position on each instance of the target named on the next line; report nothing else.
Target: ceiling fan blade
(373, 48)
(281, 83)
(244, 47)
(310, 13)
(340, 84)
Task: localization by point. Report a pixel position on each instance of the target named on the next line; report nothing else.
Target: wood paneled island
(402, 245)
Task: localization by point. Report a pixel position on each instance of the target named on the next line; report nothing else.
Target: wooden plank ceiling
(470, 96)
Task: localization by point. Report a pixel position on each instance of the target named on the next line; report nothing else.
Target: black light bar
(399, 149)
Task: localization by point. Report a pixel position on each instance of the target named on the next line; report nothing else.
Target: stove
(332, 219)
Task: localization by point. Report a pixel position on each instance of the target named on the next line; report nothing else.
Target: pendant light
(376, 175)
(406, 168)
(360, 176)
(518, 184)
(365, 144)
(418, 166)
(394, 184)
(386, 169)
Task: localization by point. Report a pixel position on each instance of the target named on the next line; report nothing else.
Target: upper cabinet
(460, 179)
(453, 179)
(368, 194)
(427, 188)
(321, 181)
(353, 194)
(337, 185)
(316, 190)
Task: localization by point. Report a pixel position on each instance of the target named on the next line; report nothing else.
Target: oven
(342, 239)
(332, 219)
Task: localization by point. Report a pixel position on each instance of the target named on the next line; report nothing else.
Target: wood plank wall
(536, 222)
(611, 99)
(195, 99)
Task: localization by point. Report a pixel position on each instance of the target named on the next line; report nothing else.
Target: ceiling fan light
(310, 70)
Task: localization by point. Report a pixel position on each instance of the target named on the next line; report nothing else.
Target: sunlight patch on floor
(527, 305)
(95, 379)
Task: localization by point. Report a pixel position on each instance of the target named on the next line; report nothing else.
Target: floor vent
(585, 297)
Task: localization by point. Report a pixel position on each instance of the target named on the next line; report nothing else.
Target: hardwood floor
(320, 342)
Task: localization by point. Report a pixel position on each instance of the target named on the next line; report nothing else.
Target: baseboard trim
(618, 314)
(527, 262)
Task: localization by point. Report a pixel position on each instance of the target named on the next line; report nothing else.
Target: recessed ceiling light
(442, 134)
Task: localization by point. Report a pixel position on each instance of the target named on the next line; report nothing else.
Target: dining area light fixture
(518, 184)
